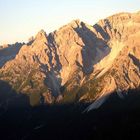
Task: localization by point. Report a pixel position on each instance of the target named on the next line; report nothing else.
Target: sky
(21, 19)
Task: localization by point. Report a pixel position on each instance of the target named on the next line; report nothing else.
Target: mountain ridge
(85, 61)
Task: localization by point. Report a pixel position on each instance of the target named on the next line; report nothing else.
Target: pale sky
(20, 19)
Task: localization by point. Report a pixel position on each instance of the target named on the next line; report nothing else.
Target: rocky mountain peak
(41, 36)
(78, 60)
(75, 23)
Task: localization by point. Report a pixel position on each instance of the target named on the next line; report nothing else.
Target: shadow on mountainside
(92, 45)
(52, 45)
(13, 109)
(135, 60)
(9, 53)
(100, 30)
(52, 80)
(115, 119)
(9, 98)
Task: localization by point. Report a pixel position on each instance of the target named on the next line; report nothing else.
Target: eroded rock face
(76, 55)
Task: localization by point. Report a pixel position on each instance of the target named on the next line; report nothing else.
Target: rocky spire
(41, 36)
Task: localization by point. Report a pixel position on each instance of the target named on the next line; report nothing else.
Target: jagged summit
(78, 62)
(41, 33)
(41, 36)
(75, 23)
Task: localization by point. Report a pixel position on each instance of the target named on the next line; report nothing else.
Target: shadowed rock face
(10, 99)
(8, 52)
(81, 58)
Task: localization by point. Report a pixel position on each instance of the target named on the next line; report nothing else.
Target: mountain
(77, 63)
(78, 82)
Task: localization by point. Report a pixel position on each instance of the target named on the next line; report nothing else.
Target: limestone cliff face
(85, 60)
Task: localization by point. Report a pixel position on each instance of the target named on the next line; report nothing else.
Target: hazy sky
(20, 19)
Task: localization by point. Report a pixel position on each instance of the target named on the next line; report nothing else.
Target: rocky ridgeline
(78, 62)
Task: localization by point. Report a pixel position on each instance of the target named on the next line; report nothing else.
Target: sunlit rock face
(78, 61)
